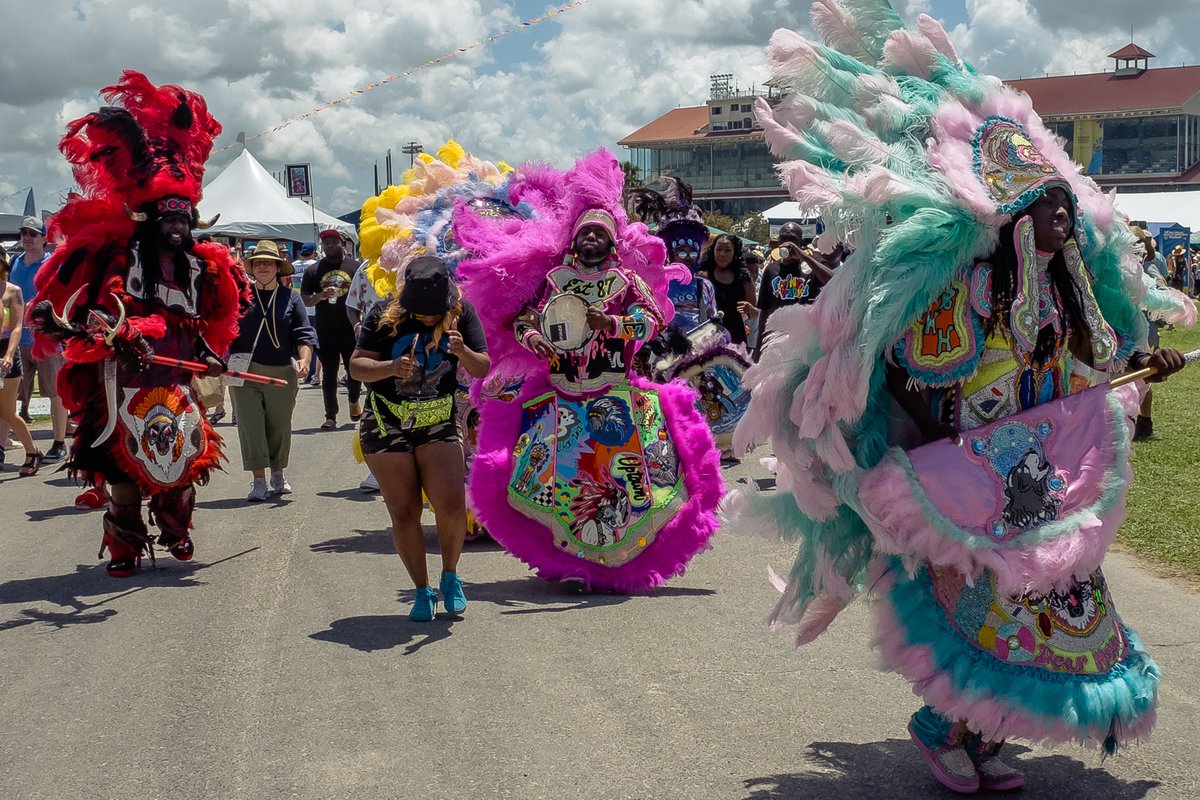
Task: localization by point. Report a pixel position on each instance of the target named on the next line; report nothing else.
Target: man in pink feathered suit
(586, 473)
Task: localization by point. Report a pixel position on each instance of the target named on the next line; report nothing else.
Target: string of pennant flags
(529, 23)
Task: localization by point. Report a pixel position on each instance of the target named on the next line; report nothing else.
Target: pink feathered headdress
(510, 258)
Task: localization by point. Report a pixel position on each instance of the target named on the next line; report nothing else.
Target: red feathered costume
(140, 427)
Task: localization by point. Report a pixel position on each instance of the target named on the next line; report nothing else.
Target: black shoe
(24, 414)
(1143, 428)
(57, 452)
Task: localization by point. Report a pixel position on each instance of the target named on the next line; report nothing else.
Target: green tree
(715, 219)
(633, 176)
(754, 227)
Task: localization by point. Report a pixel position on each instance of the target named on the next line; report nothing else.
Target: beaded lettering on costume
(1074, 631)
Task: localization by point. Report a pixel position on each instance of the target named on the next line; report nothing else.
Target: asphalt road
(281, 664)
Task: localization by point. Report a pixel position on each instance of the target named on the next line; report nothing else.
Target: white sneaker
(279, 484)
(369, 484)
(258, 492)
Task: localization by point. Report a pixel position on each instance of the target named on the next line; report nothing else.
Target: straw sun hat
(268, 250)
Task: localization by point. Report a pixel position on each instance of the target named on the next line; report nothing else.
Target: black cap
(427, 288)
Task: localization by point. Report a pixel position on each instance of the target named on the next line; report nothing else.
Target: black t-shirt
(437, 369)
(783, 285)
(728, 296)
(787, 285)
(330, 314)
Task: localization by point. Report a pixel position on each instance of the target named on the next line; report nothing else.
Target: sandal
(33, 462)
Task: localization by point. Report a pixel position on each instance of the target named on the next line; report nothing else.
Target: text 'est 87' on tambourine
(564, 322)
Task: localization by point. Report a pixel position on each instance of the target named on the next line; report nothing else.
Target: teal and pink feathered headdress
(917, 160)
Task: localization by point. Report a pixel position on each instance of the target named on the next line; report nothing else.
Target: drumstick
(196, 366)
(1137, 375)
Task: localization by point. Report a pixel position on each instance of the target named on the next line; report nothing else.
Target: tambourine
(564, 322)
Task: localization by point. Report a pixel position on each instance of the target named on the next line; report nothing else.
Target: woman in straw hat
(274, 339)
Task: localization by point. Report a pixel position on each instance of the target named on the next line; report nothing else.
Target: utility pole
(376, 176)
(412, 148)
(389, 167)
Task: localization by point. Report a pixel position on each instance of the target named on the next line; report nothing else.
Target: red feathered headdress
(150, 145)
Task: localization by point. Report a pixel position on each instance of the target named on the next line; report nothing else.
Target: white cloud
(587, 78)
(1027, 38)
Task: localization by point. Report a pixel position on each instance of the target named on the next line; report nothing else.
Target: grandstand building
(1134, 127)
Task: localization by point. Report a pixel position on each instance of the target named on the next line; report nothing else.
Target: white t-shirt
(299, 266)
(361, 294)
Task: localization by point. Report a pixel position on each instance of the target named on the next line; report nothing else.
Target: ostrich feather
(648, 204)
(801, 111)
(781, 136)
(677, 192)
(803, 68)
(908, 52)
(837, 29)
(936, 34)
(809, 185)
(855, 145)
(874, 20)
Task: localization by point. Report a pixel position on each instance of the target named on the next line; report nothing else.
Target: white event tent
(253, 205)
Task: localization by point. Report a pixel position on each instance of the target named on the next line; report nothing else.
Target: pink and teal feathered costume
(583, 470)
(983, 554)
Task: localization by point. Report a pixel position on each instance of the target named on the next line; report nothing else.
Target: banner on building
(1088, 145)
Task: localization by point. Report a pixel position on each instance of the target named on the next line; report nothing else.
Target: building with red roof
(718, 148)
(1134, 127)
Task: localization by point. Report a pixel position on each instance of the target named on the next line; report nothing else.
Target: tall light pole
(412, 148)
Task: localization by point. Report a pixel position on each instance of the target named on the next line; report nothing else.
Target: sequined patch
(1015, 454)
(942, 345)
(1074, 631)
(1008, 164)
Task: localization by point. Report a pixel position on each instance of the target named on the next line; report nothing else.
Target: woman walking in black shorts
(408, 353)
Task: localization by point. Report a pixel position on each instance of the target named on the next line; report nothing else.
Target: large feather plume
(414, 217)
(862, 135)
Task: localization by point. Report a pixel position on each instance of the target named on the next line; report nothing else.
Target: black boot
(1143, 428)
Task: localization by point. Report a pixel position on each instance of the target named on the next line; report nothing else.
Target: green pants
(264, 418)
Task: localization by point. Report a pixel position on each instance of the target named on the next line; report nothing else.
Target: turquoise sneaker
(424, 605)
(452, 593)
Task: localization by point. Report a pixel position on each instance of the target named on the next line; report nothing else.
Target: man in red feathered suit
(130, 282)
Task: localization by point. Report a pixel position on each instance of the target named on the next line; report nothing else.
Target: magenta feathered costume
(615, 481)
